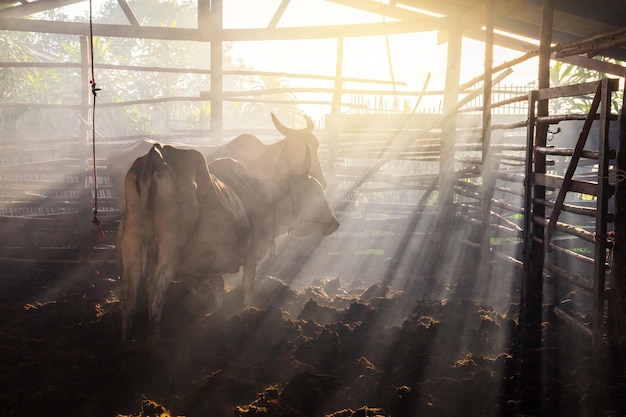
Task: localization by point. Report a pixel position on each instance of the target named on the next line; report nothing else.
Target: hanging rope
(94, 92)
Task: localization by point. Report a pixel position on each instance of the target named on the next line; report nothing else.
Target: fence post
(86, 231)
(216, 20)
(532, 286)
(616, 331)
(600, 246)
(488, 177)
(446, 159)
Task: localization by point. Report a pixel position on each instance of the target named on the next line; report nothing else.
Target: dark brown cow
(189, 222)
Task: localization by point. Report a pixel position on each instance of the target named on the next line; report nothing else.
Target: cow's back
(255, 198)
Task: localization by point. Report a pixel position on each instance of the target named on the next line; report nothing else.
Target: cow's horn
(309, 123)
(281, 128)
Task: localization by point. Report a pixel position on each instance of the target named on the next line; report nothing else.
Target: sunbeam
(312, 208)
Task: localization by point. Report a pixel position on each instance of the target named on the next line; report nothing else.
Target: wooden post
(338, 85)
(488, 176)
(617, 300)
(600, 245)
(216, 19)
(86, 201)
(335, 110)
(446, 159)
(532, 285)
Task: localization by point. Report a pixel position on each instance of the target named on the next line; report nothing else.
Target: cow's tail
(146, 189)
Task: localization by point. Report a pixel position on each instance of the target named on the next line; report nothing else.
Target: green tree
(565, 74)
(27, 88)
(29, 93)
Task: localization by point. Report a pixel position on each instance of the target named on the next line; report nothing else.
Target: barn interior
(478, 267)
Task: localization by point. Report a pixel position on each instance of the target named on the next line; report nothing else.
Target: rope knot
(94, 90)
(96, 222)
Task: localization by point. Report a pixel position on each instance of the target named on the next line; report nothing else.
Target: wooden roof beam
(27, 9)
(475, 18)
(531, 51)
(594, 65)
(594, 45)
(228, 35)
(334, 31)
(128, 13)
(444, 8)
(279, 14)
(380, 8)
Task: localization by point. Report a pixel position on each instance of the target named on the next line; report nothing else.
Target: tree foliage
(28, 91)
(565, 74)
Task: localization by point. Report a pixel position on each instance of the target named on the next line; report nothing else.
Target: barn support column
(85, 198)
(600, 245)
(335, 110)
(616, 331)
(532, 284)
(211, 13)
(446, 159)
(487, 168)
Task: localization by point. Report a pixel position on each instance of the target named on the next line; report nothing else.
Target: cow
(189, 221)
(276, 160)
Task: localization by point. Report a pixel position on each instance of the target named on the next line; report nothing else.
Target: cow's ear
(306, 166)
(309, 123)
(279, 126)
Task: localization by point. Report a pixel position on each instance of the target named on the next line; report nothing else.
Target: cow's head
(293, 150)
(206, 290)
(315, 214)
(305, 197)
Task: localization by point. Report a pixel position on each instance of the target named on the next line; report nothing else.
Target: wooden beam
(577, 186)
(595, 43)
(278, 14)
(531, 299)
(530, 50)
(27, 9)
(128, 13)
(334, 31)
(488, 178)
(605, 191)
(476, 18)
(386, 10)
(594, 65)
(616, 329)
(228, 35)
(99, 29)
(480, 15)
(445, 196)
(335, 108)
(216, 24)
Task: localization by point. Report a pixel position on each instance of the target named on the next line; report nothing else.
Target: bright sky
(413, 56)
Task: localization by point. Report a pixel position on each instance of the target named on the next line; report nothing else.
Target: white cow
(191, 222)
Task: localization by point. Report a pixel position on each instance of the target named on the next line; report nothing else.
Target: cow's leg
(247, 284)
(217, 290)
(130, 241)
(119, 256)
(157, 288)
(130, 287)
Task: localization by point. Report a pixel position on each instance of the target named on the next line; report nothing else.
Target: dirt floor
(332, 348)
